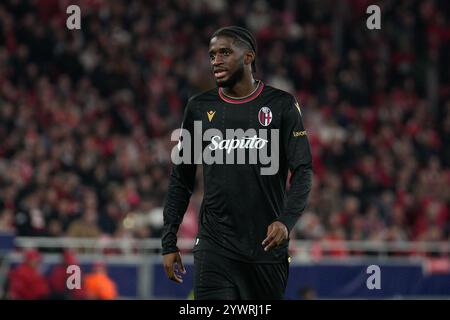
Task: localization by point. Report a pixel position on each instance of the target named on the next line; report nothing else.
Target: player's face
(227, 61)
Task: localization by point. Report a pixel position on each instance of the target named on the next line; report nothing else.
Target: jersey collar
(250, 97)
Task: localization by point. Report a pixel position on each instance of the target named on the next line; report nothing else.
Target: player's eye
(226, 53)
(211, 57)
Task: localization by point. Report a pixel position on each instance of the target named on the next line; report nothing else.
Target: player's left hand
(277, 233)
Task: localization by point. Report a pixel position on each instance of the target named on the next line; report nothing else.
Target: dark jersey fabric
(239, 202)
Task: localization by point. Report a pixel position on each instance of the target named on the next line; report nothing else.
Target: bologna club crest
(265, 116)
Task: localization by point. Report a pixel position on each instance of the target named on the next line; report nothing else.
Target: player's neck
(243, 88)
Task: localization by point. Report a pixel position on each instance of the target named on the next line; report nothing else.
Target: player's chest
(244, 116)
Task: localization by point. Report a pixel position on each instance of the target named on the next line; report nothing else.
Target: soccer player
(241, 251)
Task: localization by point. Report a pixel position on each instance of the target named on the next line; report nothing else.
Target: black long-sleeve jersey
(241, 199)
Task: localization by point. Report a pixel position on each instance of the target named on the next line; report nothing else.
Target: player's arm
(298, 154)
(181, 185)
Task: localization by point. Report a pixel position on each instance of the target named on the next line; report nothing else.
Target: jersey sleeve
(298, 155)
(294, 136)
(181, 186)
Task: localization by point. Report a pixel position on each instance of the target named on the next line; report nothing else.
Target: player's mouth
(220, 73)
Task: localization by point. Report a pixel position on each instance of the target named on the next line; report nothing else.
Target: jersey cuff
(289, 221)
(169, 250)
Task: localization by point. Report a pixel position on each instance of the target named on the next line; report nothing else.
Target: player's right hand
(173, 266)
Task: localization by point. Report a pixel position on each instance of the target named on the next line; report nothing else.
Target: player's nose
(217, 61)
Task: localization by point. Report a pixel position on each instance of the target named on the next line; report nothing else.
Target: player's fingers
(169, 271)
(270, 237)
(180, 264)
(278, 238)
(269, 229)
(174, 276)
(169, 268)
(284, 232)
(270, 241)
(271, 244)
(281, 235)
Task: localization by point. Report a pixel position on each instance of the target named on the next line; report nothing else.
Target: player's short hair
(240, 34)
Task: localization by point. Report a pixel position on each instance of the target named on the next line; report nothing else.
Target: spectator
(85, 227)
(307, 293)
(57, 279)
(98, 285)
(26, 281)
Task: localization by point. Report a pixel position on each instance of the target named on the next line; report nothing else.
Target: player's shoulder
(205, 96)
(197, 101)
(289, 101)
(279, 94)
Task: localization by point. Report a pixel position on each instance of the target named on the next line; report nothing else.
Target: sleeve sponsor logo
(299, 133)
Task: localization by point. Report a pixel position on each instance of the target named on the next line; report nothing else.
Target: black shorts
(219, 278)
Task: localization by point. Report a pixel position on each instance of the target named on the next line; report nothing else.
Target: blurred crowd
(86, 115)
(27, 280)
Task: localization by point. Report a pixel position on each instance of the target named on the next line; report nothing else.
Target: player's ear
(249, 57)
